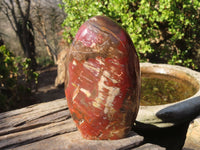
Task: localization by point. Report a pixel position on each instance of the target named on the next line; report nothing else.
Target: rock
(193, 135)
(149, 146)
(103, 80)
(61, 67)
(162, 116)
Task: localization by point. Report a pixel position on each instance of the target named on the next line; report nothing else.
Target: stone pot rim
(164, 67)
(167, 115)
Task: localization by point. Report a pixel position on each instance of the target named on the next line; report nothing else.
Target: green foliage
(30, 75)
(8, 70)
(162, 31)
(45, 61)
(15, 83)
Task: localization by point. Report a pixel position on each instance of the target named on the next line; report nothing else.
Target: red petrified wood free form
(102, 84)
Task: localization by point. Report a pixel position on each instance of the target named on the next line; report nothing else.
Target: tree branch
(27, 9)
(12, 10)
(20, 8)
(6, 12)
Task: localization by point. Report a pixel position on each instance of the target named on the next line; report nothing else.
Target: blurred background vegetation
(33, 32)
(164, 31)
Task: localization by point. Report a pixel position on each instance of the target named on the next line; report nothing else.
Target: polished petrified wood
(103, 80)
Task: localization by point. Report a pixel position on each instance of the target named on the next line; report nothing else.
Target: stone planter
(168, 115)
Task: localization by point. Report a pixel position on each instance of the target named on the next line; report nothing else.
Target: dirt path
(46, 88)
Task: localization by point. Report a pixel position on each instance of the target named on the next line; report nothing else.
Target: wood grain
(50, 126)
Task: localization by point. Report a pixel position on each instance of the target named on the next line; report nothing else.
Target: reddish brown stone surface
(103, 80)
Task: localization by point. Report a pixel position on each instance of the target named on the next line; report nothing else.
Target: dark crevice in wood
(62, 118)
(36, 140)
(53, 112)
(4, 115)
(32, 126)
(20, 124)
(2, 128)
(50, 118)
(23, 128)
(46, 115)
(23, 122)
(28, 109)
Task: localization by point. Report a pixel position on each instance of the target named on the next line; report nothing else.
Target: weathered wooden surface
(49, 126)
